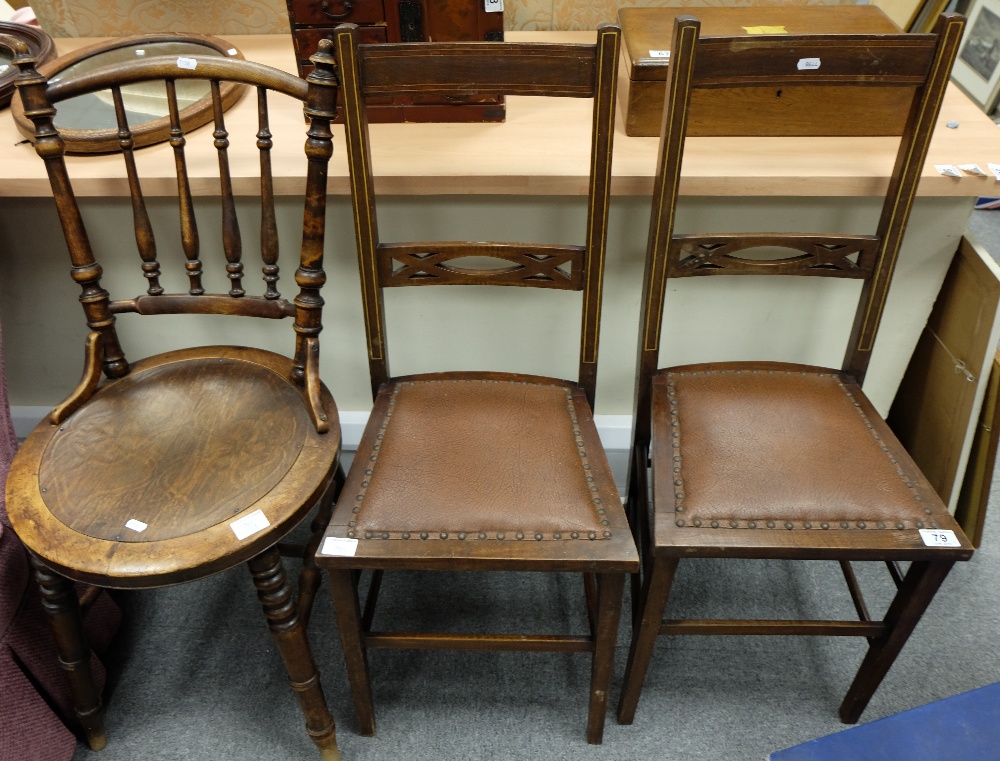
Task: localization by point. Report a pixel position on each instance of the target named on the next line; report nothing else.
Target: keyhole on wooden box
(778, 94)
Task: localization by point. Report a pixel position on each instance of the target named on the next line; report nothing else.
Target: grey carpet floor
(194, 674)
(196, 677)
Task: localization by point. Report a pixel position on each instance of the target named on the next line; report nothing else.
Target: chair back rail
(461, 69)
(890, 60)
(536, 265)
(472, 68)
(848, 256)
(318, 95)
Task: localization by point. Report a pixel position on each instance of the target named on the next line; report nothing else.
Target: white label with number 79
(934, 537)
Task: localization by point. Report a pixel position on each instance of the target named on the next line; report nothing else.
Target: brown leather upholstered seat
(475, 471)
(537, 483)
(751, 438)
(762, 459)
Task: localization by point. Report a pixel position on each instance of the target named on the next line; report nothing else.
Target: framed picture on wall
(977, 68)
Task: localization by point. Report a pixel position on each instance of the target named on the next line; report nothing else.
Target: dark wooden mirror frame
(147, 133)
(40, 45)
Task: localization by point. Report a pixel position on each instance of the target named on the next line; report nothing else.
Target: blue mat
(965, 727)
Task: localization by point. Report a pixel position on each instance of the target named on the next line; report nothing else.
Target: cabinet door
(441, 20)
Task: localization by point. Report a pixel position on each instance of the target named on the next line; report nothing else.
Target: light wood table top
(539, 150)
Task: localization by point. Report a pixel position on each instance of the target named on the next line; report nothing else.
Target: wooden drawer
(381, 21)
(441, 21)
(329, 13)
(307, 40)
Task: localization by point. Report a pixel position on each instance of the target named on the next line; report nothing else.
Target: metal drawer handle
(348, 10)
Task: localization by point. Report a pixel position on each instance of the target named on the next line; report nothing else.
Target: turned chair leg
(344, 590)
(63, 613)
(275, 595)
(655, 590)
(610, 587)
(918, 589)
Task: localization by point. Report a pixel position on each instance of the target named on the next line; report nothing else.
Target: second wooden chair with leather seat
(773, 460)
(480, 471)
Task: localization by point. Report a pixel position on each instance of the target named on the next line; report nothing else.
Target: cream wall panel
(470, 327)
(115, 18)
(570, 15)
(98, 18)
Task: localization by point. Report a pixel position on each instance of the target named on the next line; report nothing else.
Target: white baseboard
(352, 425)
(615, 430)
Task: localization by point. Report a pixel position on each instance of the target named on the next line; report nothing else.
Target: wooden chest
(786, 111)
(403, 21)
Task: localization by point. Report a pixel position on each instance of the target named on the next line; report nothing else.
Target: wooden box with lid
(788, 111)
(403, 21)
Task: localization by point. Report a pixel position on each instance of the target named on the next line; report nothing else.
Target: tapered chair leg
(918, 589)
(655, 590)
(371, 599)
(63, 612)
(347, 607)
(635, 510)
(279, 603)
(609, 605)
(590, 595)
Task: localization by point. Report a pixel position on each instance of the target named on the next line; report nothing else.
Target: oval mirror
(38, 42)
(87, 123)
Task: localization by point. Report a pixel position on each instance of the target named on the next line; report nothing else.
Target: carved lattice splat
(850, 256)
(460, 263)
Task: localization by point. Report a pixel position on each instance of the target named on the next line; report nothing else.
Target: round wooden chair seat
(163, 463)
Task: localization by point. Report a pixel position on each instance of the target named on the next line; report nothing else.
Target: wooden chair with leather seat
(479, 471)
(761, 459)
(185, 463)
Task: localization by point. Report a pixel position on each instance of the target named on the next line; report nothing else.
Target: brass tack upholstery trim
(689, 517)
(597, 524)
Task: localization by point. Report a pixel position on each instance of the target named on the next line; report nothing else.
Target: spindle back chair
(185, 463)
(468, 471)
(776, 460)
